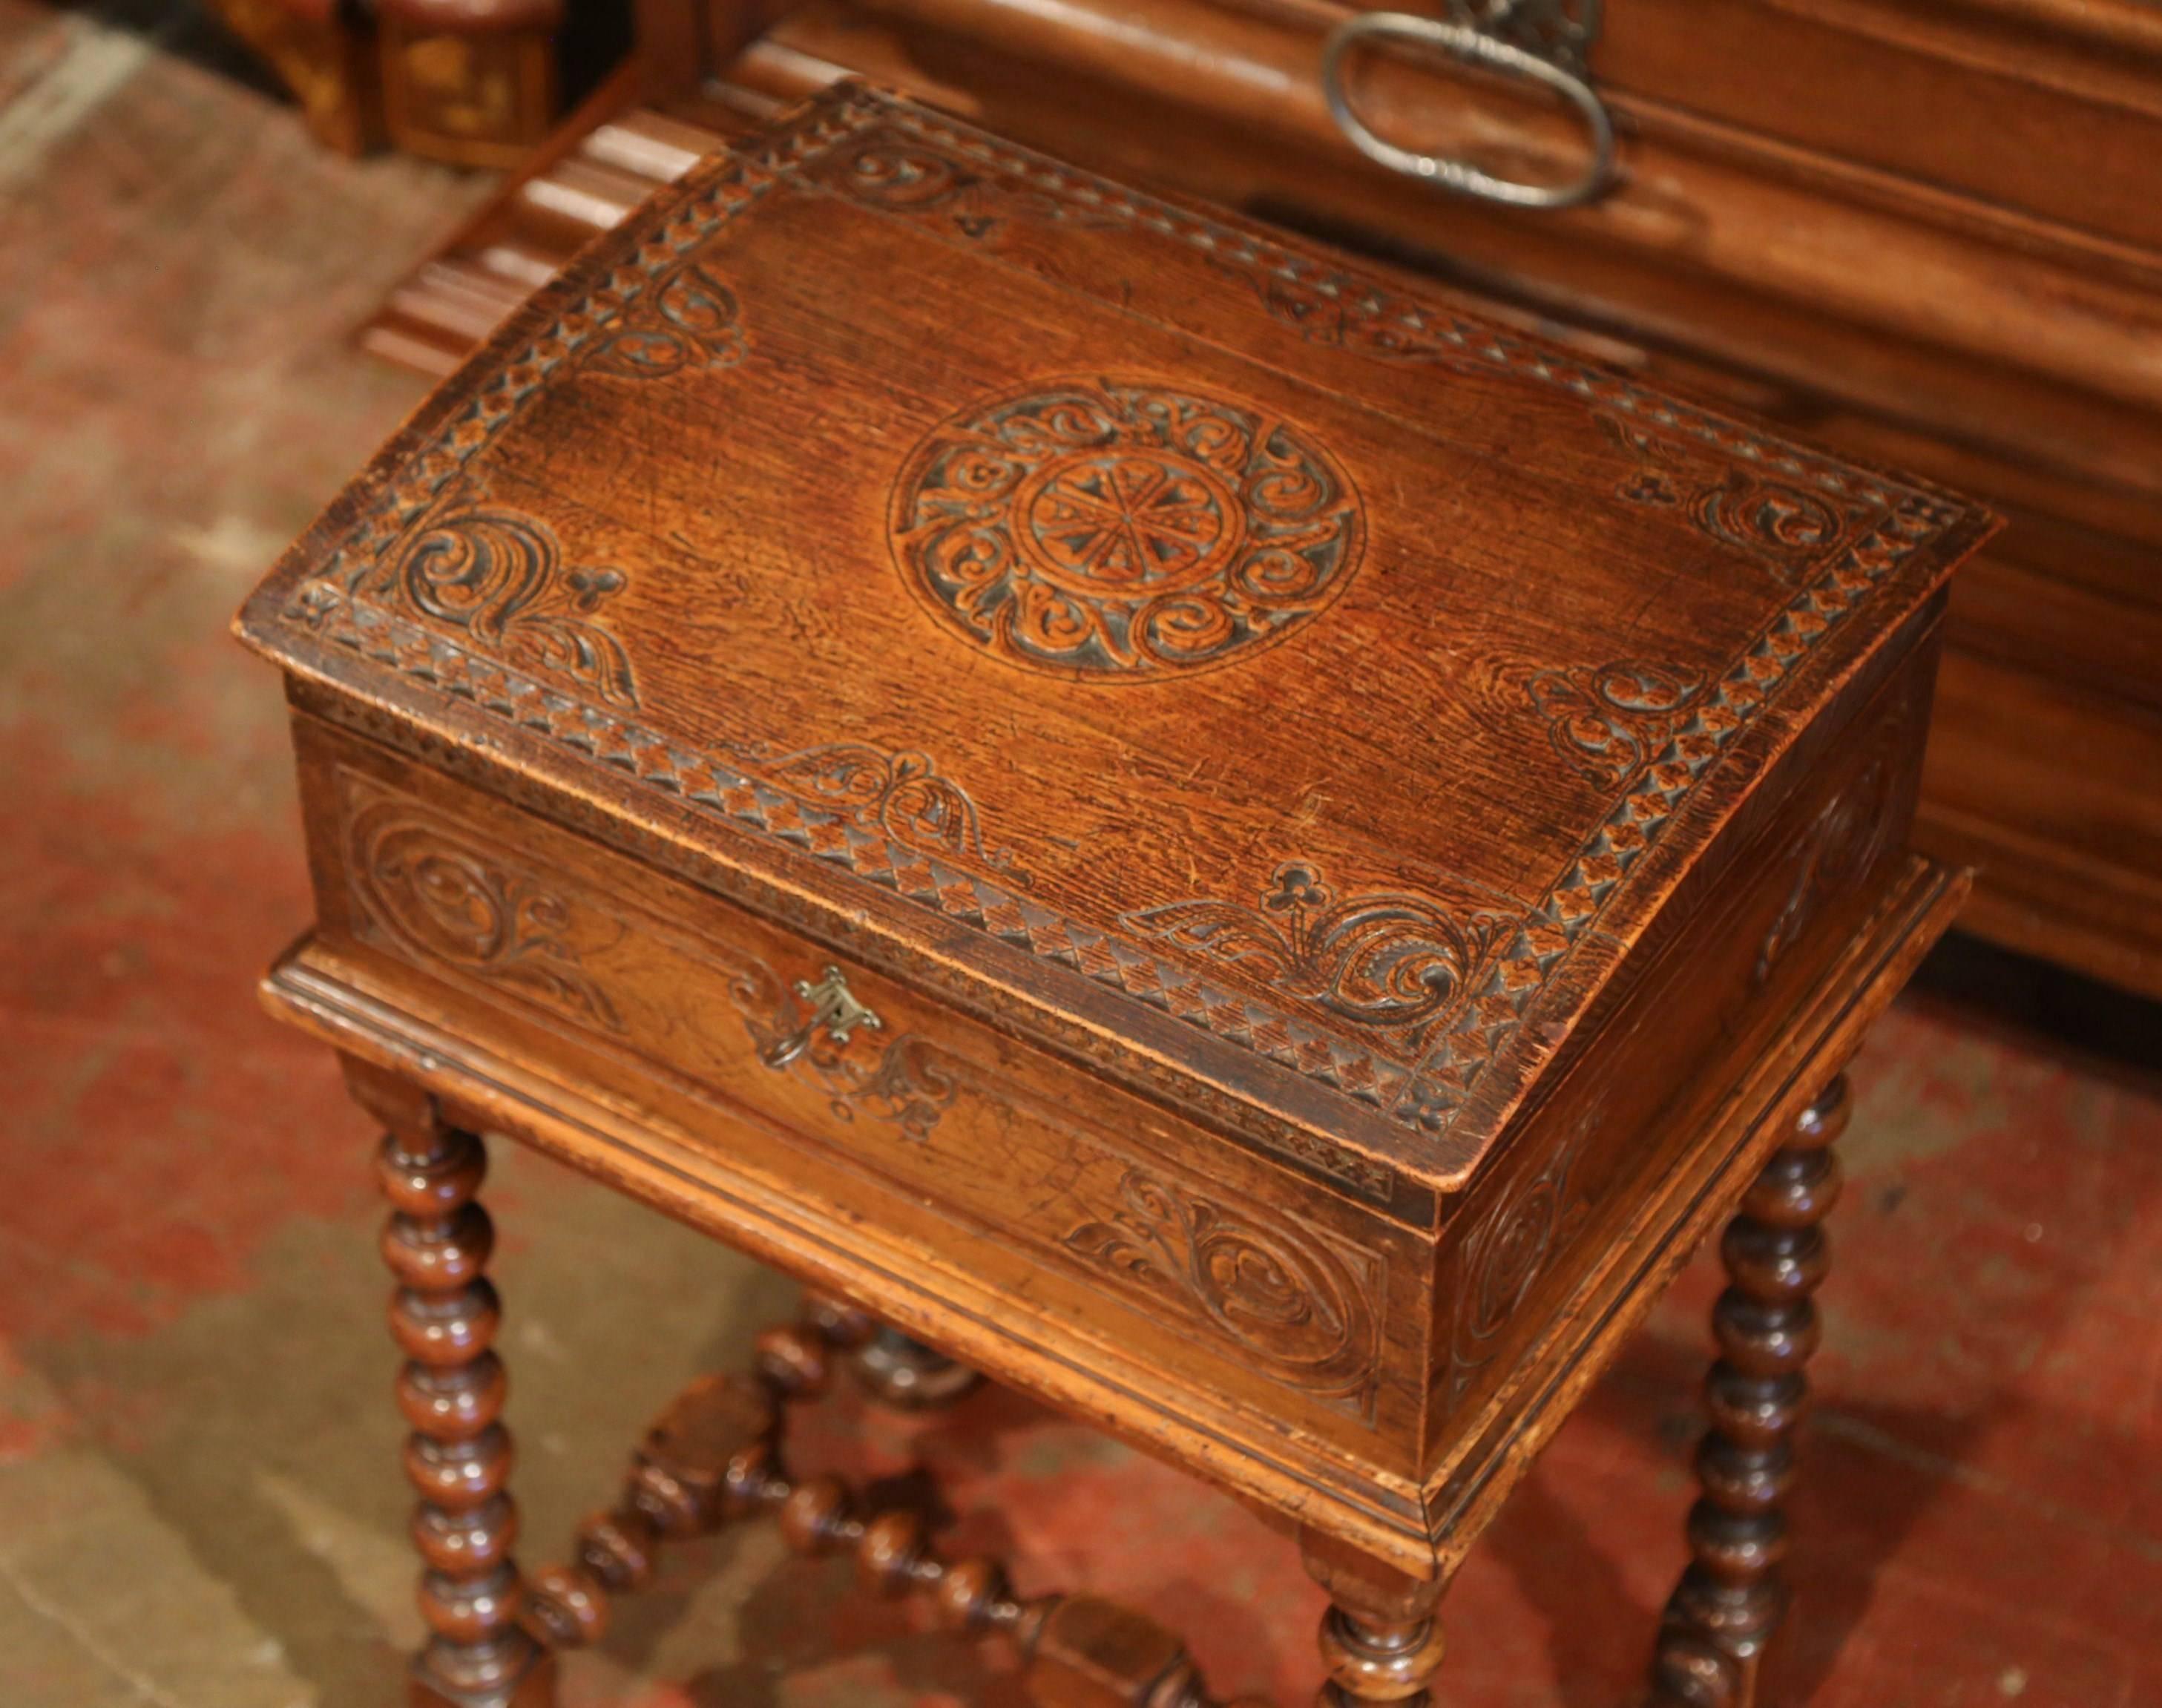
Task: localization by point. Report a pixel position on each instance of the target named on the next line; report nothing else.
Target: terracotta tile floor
(198, 1503)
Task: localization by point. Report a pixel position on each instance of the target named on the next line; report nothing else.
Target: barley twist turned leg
(717, 1456)
(1732, 1597)
(443, 1316)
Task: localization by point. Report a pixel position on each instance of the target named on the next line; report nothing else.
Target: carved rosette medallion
(1119, 531)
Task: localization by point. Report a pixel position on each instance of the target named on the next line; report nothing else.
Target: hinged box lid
(1279, 688)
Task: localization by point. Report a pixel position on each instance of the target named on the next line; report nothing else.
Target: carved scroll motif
(686, 318)
(499, 577)
(1386, 958)
(1781, 524)
(1612, 721)
(437, 898)
(901, 793)
(890, 172)
(901, 175)
(1307, 1315)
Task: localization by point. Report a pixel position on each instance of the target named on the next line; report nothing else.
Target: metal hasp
(833, 1006)
(1535, 41)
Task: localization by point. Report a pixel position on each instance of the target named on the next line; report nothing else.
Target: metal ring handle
(1474, 47)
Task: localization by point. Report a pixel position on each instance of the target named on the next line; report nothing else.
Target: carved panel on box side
(1852, 834)
(438, 897)
(1272, 1288)
(1503, 1256)
(1304, 1309)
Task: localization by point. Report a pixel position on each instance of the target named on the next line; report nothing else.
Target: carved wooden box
(1186, 823)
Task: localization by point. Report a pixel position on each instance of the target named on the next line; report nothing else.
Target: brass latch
(833, 1006)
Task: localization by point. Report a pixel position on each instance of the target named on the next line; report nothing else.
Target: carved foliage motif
(1613, 721)
(687, 318)
(1274, 1288)
(1122, 531)
(1781, 524)
(889, 175)
(901, 793)
(437, 897)
(1384, 958)
(501, 578)
(1885, 523)
(898, 174)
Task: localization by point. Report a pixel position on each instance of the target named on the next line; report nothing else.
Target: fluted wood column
(1720, 1624)
(443, 1316)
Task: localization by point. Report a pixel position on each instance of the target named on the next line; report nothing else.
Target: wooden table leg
(906, 1373)
(443, 1316)
(1720, 1622)
(1381, 1638)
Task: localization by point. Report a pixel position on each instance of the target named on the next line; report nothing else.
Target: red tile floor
(198, 1506)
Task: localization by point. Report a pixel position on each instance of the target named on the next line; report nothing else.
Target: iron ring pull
(833, 1006)
(1476, 48)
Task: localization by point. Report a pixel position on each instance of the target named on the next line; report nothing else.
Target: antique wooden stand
(1151, 814)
